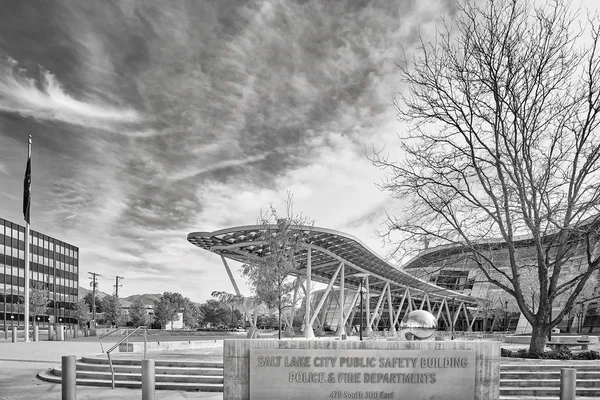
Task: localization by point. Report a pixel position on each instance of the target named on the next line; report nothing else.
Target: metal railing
(103, 336)
(126, 338)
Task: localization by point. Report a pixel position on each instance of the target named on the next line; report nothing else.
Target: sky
(151, 120)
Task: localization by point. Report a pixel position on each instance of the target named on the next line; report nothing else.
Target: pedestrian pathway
(20, 362)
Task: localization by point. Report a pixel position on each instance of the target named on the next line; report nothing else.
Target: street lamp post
(506, 315)
(12, 320)
(452, 321)
(362, 277)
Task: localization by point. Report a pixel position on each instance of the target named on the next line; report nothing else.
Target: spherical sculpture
(420, 324)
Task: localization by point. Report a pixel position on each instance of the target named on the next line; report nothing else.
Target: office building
(53, 268)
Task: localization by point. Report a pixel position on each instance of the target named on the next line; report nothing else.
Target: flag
(27, 190)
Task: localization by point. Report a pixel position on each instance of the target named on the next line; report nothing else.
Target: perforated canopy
(329, 248)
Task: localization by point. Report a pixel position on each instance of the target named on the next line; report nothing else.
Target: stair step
(542, 398)
(545, 391)
(549, 383)
(546, 375)
(157, 363)
(205, 387)
(547, 367)
(121, 376)
(81, 366)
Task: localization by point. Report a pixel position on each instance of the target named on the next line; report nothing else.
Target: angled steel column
(400, 306)
(424, 300)
(457, 312)
(410, 302)
(350, 316)
(237, 291)
(391, 310)
(341, 331)
(467, 317)
(376, 311)
(308, 330)
(368, 329)
(290, 328)
(440, 309)
(325, 294)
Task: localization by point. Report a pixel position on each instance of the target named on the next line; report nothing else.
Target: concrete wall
(236, 356)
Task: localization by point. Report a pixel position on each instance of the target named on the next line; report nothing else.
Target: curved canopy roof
(330, 247)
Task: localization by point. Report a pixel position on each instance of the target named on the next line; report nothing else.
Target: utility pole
(94, 285)
(117, 286)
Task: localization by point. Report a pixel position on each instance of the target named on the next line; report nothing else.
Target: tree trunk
(538, 338)
(279, 312)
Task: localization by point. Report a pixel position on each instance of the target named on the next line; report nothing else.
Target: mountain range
(146, 298)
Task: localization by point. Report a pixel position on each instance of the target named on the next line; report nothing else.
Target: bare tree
(282, 237)
(502, 110)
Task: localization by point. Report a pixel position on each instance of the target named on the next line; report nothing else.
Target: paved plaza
(20, 362)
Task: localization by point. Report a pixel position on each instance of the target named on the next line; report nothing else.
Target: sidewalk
(20, 362)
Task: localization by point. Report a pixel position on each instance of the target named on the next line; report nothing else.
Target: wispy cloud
(44, 98)
(216, 166)
(155, 120)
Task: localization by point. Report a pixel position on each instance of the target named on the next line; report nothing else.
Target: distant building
(452, 268)
(149, 308)
(174, 325)
(54, 264)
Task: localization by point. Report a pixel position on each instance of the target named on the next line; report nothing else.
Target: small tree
(137, 313)
(215, 313)
(191, 314)
(502, 142)
(165, 310)
(281, 238)
(234, 301)
(112, 309)
(39, 298)
(88, 300)
(82, 312)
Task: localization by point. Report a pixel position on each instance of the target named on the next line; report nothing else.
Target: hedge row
(562, 354)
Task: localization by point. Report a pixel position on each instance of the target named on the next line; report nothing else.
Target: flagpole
(27, 260)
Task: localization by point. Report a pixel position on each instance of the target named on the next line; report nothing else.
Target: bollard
(69, 378)
(76, 332)
(36, 333)
(61, 333)
(568, 382)
(14, 334)
(148, 386)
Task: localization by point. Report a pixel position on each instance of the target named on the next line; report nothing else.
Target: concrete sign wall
(319, 369)
(362, 374)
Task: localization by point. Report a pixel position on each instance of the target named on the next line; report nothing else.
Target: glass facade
(54, 265)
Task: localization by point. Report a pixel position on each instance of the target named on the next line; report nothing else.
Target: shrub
(562, 354)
